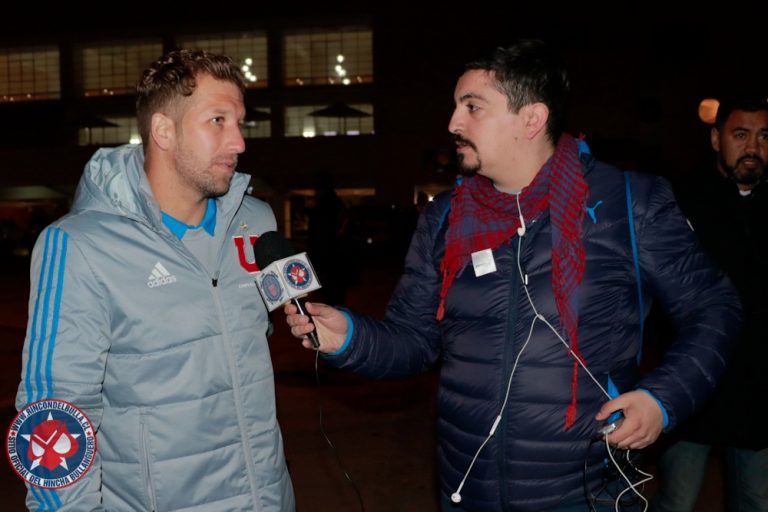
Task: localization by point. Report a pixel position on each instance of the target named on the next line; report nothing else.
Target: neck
(179, 202)
(516, 178)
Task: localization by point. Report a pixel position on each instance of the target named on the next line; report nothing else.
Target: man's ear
(535, 116)
(714, 137)
(163, 131)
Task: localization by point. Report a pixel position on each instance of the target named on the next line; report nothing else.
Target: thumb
(316, 308)
(609, 408)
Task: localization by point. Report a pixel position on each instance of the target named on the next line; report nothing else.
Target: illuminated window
(110, 130)
(257, 123)
(322, 57)
(300, 123)
(30, 73)
(113, 68)
(248, 50)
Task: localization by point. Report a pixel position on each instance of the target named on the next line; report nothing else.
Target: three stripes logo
(160, 276)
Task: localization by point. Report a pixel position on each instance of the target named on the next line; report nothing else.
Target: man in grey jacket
(146, 380)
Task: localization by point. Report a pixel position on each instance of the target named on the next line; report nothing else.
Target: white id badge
(483, 263)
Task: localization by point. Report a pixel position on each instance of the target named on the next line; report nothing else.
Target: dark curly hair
(529, 71)
(746, 101)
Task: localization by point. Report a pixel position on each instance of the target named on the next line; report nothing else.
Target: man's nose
(456, 124)
(236, 142)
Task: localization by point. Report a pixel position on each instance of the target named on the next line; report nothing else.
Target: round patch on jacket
(51, 444)
(297, 274)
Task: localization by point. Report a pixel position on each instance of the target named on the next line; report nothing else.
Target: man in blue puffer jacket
(528, 282)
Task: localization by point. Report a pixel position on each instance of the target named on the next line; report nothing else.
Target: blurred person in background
(727, 206)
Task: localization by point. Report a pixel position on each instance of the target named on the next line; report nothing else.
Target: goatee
(741, 175)
(464, 168)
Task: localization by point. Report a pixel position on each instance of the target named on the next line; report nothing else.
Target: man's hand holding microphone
(328, 322)
(285, 277)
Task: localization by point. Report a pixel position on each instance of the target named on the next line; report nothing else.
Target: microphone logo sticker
(51, 444)
(297, 274)
(273, 290)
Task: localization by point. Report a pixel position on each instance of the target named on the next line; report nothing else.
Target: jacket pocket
(146, 468)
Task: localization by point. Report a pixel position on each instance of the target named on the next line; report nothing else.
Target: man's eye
(218, 120)
(471, 107)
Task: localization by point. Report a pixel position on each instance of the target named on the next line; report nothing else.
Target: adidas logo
(160, 276)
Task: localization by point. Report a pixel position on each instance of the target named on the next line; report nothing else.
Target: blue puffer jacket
(532, 462)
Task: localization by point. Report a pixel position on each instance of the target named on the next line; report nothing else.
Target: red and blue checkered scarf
(482, 217)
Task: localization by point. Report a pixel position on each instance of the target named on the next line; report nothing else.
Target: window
(257, 123)
(29, 73)
(322, 57)
(124, 130)
(300, 123)
(248, 50)
(113, 68)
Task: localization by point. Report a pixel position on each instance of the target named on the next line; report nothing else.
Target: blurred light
(308, 133)
(708, 110)
(248, 61)
(345, 81)
(135, 139)
(340, 58)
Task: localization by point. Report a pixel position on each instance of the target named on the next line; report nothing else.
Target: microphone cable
(620, 468)
(537, 316)
(336, 455)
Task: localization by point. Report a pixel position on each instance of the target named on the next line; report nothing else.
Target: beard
(466, 169)
(202, 176)
(744, 175)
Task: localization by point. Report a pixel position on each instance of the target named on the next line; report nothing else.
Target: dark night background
(638, 74)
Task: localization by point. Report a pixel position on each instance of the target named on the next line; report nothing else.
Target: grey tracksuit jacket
(169, 362)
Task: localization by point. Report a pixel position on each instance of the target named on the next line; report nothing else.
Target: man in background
(728, 208)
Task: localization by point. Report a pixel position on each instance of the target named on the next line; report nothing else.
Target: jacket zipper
(509, 345)
(247, 451)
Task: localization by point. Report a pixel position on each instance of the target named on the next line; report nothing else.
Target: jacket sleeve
(407, 341)
(698, 298)
(65, 352)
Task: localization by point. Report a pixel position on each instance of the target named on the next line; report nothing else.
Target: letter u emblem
(249, 266)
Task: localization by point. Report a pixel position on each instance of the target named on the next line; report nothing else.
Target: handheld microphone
(284, 275)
